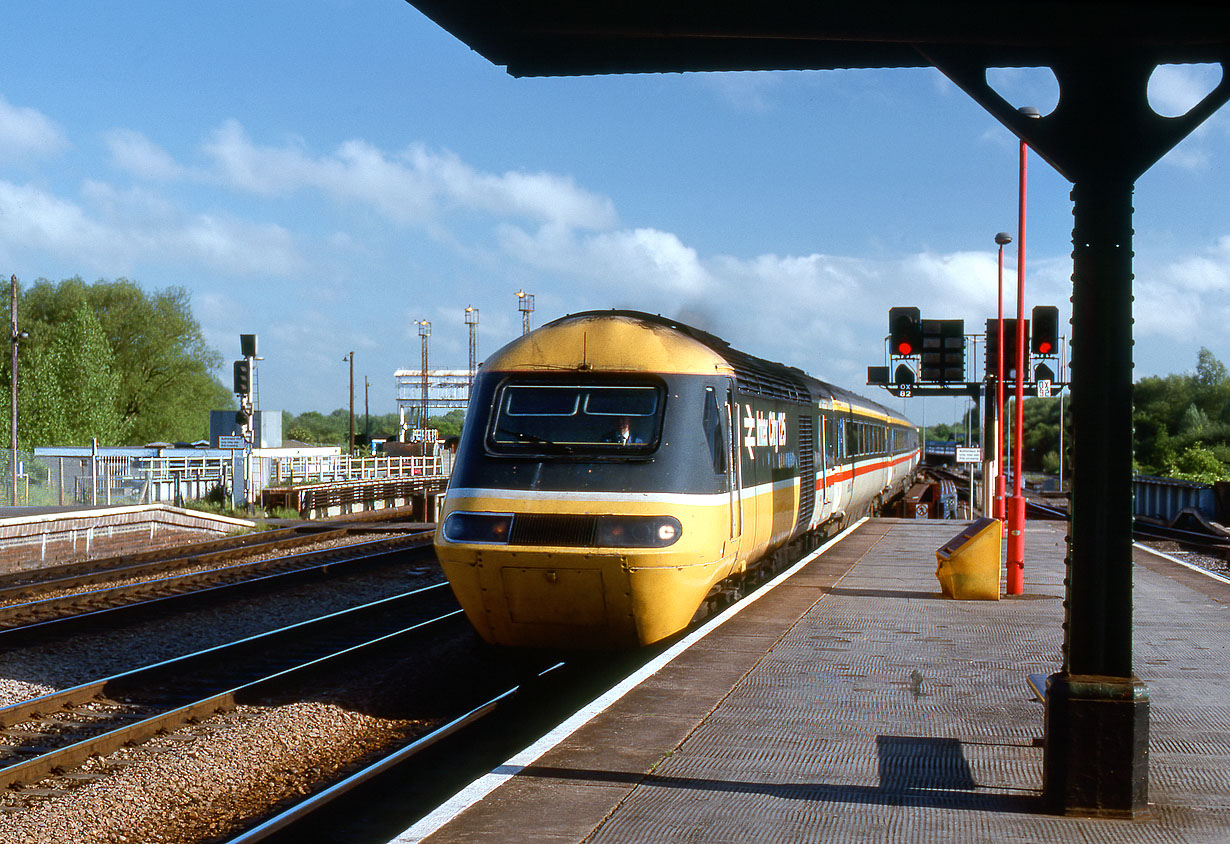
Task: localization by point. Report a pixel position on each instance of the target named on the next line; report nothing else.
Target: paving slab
(854, 703)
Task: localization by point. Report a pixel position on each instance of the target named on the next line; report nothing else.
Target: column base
(1096, 759)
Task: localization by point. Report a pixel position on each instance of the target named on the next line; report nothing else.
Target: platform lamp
(472, 322)
(1015, 580)
(425, 335)
(525, 304)
(1002, 239)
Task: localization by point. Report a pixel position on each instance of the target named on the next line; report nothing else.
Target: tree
(449, 425)
(1041, 419)
(1182, 422)
(164, 367)
(942, 432)
(1198, 463)
(74, 387)
(1210, 372)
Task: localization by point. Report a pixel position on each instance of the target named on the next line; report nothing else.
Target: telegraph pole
(13, 387)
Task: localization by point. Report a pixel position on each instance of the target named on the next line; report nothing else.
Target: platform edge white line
(1183, 563)
(489, 782)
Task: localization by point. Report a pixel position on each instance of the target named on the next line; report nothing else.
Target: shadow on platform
(915, 772)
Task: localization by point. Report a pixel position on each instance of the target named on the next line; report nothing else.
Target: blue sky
(324, 174)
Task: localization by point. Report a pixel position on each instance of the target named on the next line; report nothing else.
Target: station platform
(852, 702)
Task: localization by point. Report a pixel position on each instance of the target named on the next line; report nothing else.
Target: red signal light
(1044, 348)
(904, 348)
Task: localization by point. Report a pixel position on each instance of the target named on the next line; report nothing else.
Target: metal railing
(344, 469)
(141, 476)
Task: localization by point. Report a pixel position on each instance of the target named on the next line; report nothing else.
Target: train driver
(623, 434)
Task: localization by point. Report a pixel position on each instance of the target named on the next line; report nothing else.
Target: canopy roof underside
(578, 37)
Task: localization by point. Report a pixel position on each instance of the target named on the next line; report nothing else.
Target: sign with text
(232, 442)
(969, 454)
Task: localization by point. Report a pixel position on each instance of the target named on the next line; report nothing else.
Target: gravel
(193, 785)
(1204, 561)
(239, 766)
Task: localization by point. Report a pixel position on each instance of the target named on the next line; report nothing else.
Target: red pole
(1016, 504)
(1002, 238)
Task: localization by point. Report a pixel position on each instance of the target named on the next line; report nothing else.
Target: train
(618, 469)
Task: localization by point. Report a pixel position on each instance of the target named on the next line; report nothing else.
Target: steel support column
(1101, 136)
(1097, 711)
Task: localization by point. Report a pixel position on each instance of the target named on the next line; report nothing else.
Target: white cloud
(234, 246)
(748, 91)
(962, 282)
(133, 152)
(618, 263)
(114, 231)
(820, 312)
(1184, 300)
(27, 133)
(1174, 89)
(410, 187)
(36, 219)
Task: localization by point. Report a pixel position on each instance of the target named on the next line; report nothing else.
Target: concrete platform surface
(854, 703)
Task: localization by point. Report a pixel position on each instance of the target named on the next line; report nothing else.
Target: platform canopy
(1102, 135)
(578, 37)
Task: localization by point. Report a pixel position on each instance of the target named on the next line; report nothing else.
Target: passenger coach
(617, 467)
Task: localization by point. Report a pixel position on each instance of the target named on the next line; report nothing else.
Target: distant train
(617, 468)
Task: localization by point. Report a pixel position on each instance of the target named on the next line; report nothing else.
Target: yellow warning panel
(970, 564)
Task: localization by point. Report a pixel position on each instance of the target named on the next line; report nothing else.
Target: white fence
(342, 469)
(109, 476)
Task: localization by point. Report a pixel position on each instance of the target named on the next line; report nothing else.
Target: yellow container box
(971, 563)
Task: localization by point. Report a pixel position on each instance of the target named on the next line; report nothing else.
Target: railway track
(1145, 531)
(68, 613)
(290, 823)
(377, 801)
(169, 558)
(211, 552)
(59, 731)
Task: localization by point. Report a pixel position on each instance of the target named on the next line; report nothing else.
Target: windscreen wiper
(522, 436)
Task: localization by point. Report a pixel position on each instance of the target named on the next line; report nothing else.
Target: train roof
(753, 374)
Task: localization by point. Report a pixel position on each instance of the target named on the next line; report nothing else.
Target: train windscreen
(572, 418)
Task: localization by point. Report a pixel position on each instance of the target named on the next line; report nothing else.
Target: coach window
(830, 442)
(712, 423)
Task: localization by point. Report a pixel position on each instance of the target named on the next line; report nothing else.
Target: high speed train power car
(616, 468)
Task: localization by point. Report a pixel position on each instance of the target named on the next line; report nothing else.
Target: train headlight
(637, 531)
(478, 527)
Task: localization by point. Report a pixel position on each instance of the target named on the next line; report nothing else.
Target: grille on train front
(568, 530)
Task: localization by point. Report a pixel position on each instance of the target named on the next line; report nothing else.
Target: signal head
(904, 331)
(1044, 337)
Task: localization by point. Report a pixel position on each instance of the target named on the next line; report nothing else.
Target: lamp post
(425, 334)
(1002, 239)
(525, 304)
(472, 322)
(1016, 509)
(350, 357)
